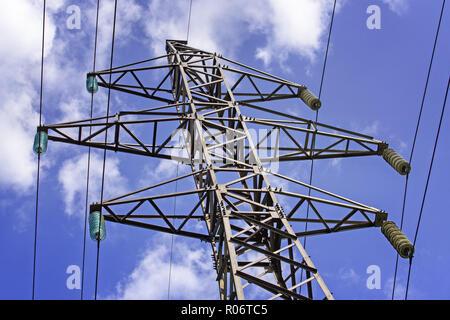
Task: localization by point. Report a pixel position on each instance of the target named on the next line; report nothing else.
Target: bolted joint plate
(95, 207)
(381, 147)
(380, 217)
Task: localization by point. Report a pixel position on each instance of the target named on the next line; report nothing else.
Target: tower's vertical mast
(267, 241)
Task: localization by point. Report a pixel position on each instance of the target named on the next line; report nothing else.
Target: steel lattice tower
(213, 108)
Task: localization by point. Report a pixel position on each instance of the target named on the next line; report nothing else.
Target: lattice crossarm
(126, 135)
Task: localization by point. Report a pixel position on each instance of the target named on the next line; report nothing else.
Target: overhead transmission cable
(315, 123)
(189, 21)
(106, 141)
(176, 183)
(415, 137)
(426, 186)
(89, 158)
(39, 153)
(172, 240)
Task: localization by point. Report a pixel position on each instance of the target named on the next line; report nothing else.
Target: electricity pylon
(235, 203)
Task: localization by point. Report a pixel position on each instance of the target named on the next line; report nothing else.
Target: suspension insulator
(396, 161)
(398, 240)
(40, 141)
(97, 227)
(310, 99)
(91, 83)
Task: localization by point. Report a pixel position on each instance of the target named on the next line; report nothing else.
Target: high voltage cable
(176, 183)
(106, 141)
(415, 136)
(426, 185)
(39, 154)
(326, 55)
(317, 118)
(89, 157)
(189, 21)
(172, 240)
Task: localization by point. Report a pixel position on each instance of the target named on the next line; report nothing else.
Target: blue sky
(373, 84)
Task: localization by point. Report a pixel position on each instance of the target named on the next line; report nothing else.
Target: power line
(39, 153)
(317, 119)
(89, 157)
(326, 55)
(172, 240)
(415, 136)
(106, 141)
(189, 21)
(176, 183)
(426, 185)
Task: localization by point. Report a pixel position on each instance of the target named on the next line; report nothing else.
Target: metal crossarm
(298, 139)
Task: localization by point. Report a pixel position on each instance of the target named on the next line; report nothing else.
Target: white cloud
(371, 129)
(336, 163)
(403, 146)
(20, 54)
(294, 27)
(192, 275)
(74, 109)
(129, 14)
(69, 61)
(166, 169)
(23, 21)
(72, 177)
(348, 276)
(18, 160)
(397, 6)
(65, 66)
(305, 22)
(400, 290)
(289, 26)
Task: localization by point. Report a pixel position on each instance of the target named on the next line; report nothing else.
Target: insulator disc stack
(396, 161)
(398, 239)
(310, 99)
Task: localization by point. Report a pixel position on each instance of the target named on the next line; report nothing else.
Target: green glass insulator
(96, 219)
(91, 84)
(40, 142)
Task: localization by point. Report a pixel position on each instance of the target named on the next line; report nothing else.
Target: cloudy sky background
(374, 84)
